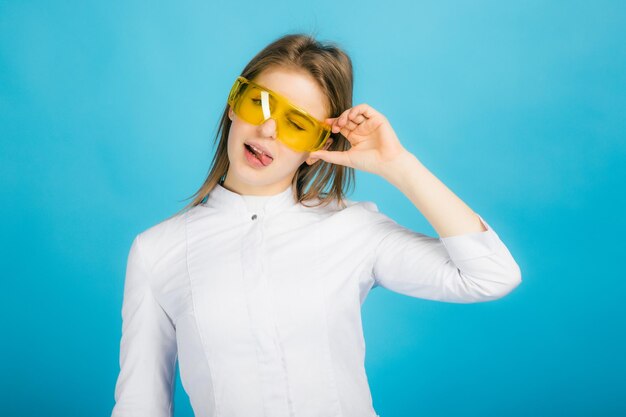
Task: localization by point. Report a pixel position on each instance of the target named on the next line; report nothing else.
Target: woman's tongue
(265, 160)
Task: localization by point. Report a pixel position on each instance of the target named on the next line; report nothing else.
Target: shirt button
(253, 217)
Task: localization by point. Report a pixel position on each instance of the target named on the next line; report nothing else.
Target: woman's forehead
(296, 86)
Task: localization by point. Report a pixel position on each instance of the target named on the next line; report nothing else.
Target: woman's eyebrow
(299, 113)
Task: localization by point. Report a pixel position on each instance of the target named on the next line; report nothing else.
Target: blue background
(107, 116)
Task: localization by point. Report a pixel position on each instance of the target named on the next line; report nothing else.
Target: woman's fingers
(351, 118)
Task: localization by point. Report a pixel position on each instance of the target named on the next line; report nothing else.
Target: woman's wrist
(396, 170)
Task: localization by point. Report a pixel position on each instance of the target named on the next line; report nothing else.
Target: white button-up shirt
(260, 300)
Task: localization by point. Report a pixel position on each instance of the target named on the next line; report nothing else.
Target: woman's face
(245, 174)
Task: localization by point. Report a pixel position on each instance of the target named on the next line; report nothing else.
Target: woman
(256, 286)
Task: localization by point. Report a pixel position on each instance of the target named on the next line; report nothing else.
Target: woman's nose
(268, 128)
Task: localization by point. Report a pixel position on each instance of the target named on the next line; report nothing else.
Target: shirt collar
(225, 199)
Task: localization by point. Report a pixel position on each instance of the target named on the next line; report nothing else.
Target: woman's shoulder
(349, 209)
(166, 236)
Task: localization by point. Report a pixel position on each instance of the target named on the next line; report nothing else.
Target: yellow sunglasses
(294, 126)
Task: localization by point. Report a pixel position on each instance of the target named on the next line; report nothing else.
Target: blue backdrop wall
(107, 116)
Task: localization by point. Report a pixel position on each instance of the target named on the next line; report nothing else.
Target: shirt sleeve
(148, 352)
(468, 268)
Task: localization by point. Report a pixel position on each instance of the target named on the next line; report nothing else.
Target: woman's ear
(230, 113)
(311, 160)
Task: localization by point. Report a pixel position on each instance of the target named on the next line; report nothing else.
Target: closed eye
(296, 126)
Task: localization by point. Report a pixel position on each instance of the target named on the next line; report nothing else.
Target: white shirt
(255, 203)
(260, 300)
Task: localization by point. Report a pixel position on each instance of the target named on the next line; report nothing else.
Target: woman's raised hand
(374, 144)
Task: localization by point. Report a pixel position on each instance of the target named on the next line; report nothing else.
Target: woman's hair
(331, 68)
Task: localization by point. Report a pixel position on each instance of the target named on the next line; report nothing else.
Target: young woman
(256, 287)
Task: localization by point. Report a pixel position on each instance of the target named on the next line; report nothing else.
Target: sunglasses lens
(248, 105)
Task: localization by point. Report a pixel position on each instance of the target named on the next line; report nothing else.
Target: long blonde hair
(331, 68)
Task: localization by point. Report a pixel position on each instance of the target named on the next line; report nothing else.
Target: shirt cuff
(472, 245)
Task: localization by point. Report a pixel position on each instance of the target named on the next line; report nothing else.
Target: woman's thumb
(334, 157)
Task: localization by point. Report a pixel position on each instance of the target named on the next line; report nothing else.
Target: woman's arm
(446, 212)
(468, 263)
(467, 268)
(148, 351)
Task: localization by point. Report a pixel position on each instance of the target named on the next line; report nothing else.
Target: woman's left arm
(377, 149)
(468, 263)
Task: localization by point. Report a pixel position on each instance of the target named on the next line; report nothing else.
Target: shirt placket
(272, 372)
